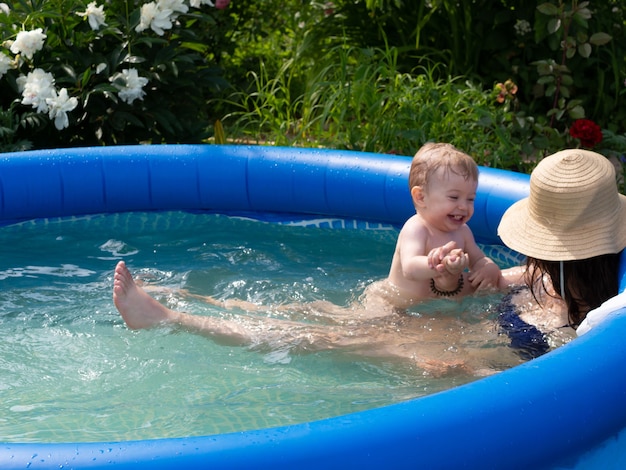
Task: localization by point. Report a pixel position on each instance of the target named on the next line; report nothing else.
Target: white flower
(4, 8)
(153, 17)
(95, 15)
(60, 105)
(522, 27)
(173, 5)
(130, 85)
(28, 42)
(199, 3)
(5, 64)
(36, 88)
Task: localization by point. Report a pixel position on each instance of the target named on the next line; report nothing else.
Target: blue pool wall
(65, 182)
(562, 410)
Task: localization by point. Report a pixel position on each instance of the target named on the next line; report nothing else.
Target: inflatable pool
(563, 410)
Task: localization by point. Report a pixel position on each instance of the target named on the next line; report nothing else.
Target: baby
(435, 246)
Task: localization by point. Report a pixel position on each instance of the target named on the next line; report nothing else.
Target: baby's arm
(414, 260)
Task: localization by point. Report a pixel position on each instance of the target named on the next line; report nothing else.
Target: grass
(357, 99)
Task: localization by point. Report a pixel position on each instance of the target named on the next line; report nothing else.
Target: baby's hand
(437, 255)
(456, 261)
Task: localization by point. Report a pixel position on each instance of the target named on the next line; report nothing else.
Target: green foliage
(614, 147)
(537, 44)
(385, 75)
(359, 100)
(125, 84)
(565, 27)
(9, 142)
(505, 80)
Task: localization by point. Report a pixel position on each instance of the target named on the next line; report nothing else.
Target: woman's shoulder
(546, 312)
(513, 276)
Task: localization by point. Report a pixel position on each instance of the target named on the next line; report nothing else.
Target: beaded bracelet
(447, 293)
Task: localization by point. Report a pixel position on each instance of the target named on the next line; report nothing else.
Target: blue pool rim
(554, 411)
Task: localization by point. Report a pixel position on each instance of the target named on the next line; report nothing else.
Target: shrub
(81, 74)
(567, 57)
(359, 100)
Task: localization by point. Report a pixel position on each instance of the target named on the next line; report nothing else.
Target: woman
(571, 228)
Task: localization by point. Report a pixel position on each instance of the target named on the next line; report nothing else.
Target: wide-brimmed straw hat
(573, 212)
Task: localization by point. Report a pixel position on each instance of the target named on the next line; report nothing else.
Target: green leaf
(85, 78)
(133, 59)
(553, 25)
(167, 120)
(600, 39)
(581, 22)
(149, 41)
(548, 9)
(577, 112)
(218, 131)
(194, 46)
(69, 70)
(584, 13)
(584, 50)
(174, 69)
(121, 118)
(544, 69)
(102, 87)
(544, 80)
(574, 103)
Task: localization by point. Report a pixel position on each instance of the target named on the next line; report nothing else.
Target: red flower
(587, 131)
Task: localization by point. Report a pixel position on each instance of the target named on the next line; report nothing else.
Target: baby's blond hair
(432, 156)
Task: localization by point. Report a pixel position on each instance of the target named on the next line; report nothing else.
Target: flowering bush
(87, 74)
(587, 131)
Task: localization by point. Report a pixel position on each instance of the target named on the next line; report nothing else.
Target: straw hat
(574, 210)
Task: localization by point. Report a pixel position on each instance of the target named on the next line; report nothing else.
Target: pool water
(70, 370)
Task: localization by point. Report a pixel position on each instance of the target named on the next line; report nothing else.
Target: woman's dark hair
(588, 282)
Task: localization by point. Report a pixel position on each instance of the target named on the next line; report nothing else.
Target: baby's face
(449, 200)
